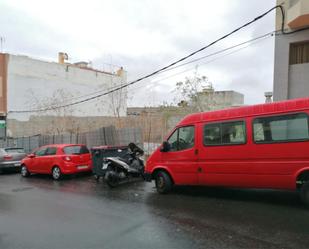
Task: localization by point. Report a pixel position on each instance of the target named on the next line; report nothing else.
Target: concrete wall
(153, 126)
(287, 86)
(34, 84)
(3, 84)
(286, 4)
(215, 100)
(289, 81)
(229, 98)
(299, 81)
(294, 10)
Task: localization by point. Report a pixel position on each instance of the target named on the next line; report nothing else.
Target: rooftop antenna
(268, 96)
(2, 41)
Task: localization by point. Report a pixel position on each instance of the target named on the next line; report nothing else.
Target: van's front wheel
(163, 182)
(304, 194)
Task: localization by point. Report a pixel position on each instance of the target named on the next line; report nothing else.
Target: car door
(38, 160)
(223, 156)
(181, 159)
(48, 160)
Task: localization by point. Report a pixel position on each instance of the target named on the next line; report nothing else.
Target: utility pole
(2, 41)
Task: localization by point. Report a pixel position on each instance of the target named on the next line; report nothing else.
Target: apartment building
(291, 69)
(30, 84)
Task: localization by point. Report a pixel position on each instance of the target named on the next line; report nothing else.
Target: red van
(259, 146)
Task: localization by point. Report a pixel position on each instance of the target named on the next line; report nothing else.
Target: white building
(30, 84)
(291, 72)
(209, 99)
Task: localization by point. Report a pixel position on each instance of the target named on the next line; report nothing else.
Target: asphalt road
(38, 212)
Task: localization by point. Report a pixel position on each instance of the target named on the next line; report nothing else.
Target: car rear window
(75, 149)
(14, 150)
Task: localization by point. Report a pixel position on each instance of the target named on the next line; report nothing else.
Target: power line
(283, 23)
(221, 51)
(203, 64)
(168, 66)
(189, 62)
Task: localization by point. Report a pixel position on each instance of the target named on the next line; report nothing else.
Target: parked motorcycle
(124, 169)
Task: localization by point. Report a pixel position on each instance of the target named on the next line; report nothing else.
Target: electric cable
(200, 65)
(189, 62)
(171, 64)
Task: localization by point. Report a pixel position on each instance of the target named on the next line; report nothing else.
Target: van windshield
(75, 150)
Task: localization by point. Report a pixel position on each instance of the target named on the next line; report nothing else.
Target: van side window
(212, 134)
(225, 133)
(293, 127)
(182, 138)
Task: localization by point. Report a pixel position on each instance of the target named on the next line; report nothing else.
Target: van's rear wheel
(304, 194)
(164, 182)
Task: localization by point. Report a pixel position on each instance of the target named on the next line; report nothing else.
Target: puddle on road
(21, 189)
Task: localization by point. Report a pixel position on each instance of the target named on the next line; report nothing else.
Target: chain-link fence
(103, 136)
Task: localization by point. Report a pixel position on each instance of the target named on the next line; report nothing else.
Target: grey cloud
(26, 35)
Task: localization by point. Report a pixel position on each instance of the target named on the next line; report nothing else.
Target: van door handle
(196, 151)
(199, 170)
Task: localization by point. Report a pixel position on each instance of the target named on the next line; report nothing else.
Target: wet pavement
(78, 212)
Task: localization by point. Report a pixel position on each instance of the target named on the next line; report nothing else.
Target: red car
(57, 160)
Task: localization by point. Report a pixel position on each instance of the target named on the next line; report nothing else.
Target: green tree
(193, 93)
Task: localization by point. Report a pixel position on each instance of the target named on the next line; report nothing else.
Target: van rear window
(225, 133)
(286, 128)
(75, 149)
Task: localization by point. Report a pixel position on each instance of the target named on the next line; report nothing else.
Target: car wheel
(164, 182)
(24, 171)
(56, 173)
(304, 194)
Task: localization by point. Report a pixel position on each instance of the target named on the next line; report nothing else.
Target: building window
(286, 128)
(225, 133)
(299, 53)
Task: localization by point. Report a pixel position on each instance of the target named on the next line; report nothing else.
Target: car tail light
(67, 158)
(7, 157)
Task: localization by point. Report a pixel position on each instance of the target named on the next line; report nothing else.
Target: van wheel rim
(160, 182)
(56, 173)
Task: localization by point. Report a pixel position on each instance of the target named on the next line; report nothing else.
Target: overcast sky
(145, 35)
